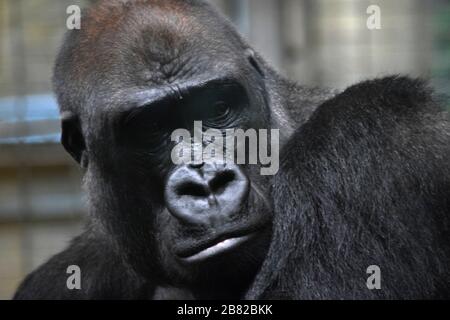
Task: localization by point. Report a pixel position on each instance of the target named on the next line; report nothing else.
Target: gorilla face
(205, 224)
(210, 217)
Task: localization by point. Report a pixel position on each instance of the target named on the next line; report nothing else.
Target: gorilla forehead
(157, 33)
(145, 42)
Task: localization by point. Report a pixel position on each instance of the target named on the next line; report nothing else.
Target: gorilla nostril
(192, 189)
(221, 180)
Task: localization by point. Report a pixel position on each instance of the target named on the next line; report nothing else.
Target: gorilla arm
(364, 182)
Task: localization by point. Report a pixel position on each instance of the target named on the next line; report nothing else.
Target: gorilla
(364, 176)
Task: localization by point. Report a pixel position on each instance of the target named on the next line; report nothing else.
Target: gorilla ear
(72, 138)
(253, 59)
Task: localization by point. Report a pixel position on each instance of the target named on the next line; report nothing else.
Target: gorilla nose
(206, 193)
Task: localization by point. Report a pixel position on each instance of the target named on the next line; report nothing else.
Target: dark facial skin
(170, 222)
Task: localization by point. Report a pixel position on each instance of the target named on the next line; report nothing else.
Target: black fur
(364, 179)
(365, 182)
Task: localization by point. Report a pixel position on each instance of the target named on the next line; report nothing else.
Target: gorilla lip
(217, 247)
(221, 243)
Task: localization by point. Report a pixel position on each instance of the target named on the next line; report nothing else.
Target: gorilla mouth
(214, 248)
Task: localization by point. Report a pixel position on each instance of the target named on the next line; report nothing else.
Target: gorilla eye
(219, 115)
(146, 126)
(220, 110)
(145, 122)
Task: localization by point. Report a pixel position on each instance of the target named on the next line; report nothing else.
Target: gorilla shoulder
(365, 181)
(398, 94)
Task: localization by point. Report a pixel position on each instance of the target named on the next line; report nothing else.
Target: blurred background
(316, 42)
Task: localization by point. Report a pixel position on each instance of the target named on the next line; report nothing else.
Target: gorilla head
(136, 71)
